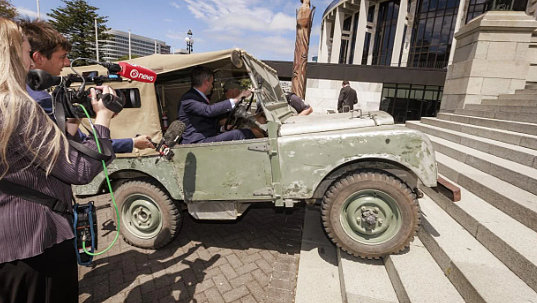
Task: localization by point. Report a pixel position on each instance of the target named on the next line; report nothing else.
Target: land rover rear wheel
(149, 217)
(370, 214)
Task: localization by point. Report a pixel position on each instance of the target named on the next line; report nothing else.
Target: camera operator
(49, 53)
(37, 256)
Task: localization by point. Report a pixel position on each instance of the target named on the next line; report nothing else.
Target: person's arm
(306, 112)
(122, 146)
(78, 168)
(214, 110)
(205, 110)
(340, 99)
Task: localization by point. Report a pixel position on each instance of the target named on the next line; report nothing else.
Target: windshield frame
(269, 93)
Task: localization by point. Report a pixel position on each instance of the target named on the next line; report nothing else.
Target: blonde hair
(18, 112)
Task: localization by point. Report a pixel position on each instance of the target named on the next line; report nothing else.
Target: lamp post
(189, 42)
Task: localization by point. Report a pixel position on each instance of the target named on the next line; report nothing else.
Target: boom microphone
(131, 71)
(174, 133)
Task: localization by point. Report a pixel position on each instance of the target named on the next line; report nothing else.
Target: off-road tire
(170, 213)
(347, 188)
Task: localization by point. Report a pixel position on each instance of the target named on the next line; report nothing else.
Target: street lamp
(189, 42)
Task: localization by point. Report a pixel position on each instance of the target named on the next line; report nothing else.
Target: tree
(77, 22)
(7, 10)
(126, 57)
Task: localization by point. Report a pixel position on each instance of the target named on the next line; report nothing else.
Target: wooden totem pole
(304, 20)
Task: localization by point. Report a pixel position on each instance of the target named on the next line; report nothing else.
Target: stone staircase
(481, 249)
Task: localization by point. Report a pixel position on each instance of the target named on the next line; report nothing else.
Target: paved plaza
(253, 259)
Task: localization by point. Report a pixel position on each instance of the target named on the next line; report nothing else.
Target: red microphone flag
(137, 73)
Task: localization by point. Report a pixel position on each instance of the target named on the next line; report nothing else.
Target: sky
(264, 28)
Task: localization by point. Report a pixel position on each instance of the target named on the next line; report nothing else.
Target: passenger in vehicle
(201, 118)
(301, 107)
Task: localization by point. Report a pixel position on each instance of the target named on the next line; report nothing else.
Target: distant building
(118, 45)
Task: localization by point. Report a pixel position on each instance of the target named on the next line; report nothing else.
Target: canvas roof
(164, 63)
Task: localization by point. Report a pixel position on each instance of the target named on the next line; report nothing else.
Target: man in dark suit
(201, 118)
(347, 98)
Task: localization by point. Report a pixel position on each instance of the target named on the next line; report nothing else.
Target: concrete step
(526, 91)
(318, 258)
(511, 172)
(499, 108)
(476, 273)
(521, 205)
(510, 102)
(417, 278)
(531, 97)
(511, 116)
(531, 85)
(519, 127)
(521, 155)
(511, 242)
(505, 136)
(365, 280)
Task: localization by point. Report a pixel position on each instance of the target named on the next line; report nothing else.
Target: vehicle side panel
(307, 159)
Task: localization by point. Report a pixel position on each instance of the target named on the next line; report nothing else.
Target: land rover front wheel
(149, 218)
(370, 214)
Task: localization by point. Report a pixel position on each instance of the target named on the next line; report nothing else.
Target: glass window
(367, 41)
(353, 43)
(347, 23)
(410, 102)
(385, 32)
(432, 33)
(343, 51)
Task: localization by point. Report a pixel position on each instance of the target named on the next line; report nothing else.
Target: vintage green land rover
(365, 169)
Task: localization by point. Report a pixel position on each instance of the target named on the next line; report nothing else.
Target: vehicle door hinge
(262, 147)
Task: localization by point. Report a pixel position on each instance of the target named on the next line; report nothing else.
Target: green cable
(109, 187)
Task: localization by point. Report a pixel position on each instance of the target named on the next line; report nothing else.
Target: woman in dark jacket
(37, 254)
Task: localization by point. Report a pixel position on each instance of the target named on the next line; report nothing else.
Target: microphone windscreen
(40, 80)
(174, 133)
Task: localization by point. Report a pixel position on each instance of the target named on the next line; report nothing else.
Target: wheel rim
(141, 216)
(371, 216)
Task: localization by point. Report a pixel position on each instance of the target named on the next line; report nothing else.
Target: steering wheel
(232, 118)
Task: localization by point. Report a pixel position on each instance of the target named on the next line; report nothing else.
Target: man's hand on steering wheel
(243, 94)
(232, 121)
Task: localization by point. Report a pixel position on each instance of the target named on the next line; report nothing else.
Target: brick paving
(253, 259)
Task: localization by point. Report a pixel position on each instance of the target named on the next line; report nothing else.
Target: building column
(325, 42)
(408, 36)
(373, 33)
(398, 41)
(461, 19)
(360, 32)
(336, 40)
(320, 50)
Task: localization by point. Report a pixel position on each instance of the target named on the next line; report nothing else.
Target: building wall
(322, 95)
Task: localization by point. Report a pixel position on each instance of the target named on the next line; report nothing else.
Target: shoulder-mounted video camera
(69, 97)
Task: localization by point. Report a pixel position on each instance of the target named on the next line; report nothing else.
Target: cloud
(168, 20)
(30, 13)
(226, 15)
(174, 4)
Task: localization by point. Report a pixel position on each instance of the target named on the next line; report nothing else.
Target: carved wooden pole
(304, 20)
